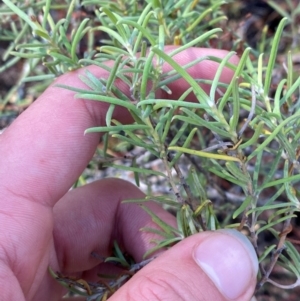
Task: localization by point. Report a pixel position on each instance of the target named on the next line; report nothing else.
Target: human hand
(43, 224)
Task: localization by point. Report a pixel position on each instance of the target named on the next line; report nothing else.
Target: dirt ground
(248, 18)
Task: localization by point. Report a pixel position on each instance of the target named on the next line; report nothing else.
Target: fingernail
(229, 260)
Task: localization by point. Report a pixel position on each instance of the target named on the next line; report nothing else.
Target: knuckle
(160, 286)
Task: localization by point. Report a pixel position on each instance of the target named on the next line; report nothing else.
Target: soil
(248, 18)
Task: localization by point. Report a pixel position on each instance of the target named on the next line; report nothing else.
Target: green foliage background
(251, 139)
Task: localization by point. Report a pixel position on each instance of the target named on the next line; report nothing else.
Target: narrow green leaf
(113, 34)
(281, 181)
(158, 232)
(108, 99)
(140, 44)
(136, 141)
(289, 189)
(280, 9)
(170, 76)
(69, 15)
(260, 73)
(280, 220)
(143, 20)
(179, 134)
(290, 75)
(273, 55)
(140, 28)
(30, 46)
(271, 207)
(80, 32)
(216, 80)
(113, 72)
(159, 103)
(236, 172)
(109, 114)
(31, 55)
(167, 125)
(38, 78)
(201, 39)
(254, 137)
(200, 191)
(256, 172)
(234, 119)
(185, 145)
(204, 154)
(63, 41)
(290, 91)
(278, 213)
(57, 29)
(274, 134)
(112, 50)
(137, 169)
(165, 200)
(47, 16)
(163, 244)
(136, 174)
(212, 126)
(266, 252)
(21, 14)
(92, 82)
(199, 92)
(237, 74)
(157, 220)
(294, 254)
(43, 34)
(243, 207)
(105, 139)
(146, 75)
(61, 57)
(146, 112)
(117, 260)
(225, 176)
(122, 30)
(117, 128)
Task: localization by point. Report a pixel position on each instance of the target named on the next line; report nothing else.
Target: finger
(101, 218)
(203, 70)
(42, 153)
(218, 266)
(46, 143)
(87, 221)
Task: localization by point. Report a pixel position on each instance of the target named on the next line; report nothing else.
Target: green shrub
(251, 139)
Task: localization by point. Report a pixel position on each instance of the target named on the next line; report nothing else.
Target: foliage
(246, 137)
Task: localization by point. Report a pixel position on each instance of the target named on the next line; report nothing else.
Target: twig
(287, 228)
(251, 113)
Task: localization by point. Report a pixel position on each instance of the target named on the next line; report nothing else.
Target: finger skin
(42, 153)
(88, 219)
(175, 276)
(52, 129)
(96, 211)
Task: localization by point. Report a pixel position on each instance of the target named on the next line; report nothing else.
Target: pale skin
(44, 224)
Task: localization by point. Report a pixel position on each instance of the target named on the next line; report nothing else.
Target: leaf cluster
(244, 134)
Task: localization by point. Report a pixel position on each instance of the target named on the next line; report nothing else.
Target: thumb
(219, 265)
